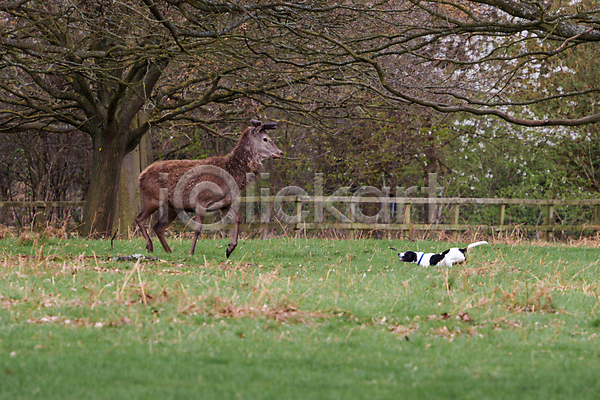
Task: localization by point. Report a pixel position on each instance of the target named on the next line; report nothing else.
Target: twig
(562, 46)
(113, 238)
(120, 296)
(144, 299)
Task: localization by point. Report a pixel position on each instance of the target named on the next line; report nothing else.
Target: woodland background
(499, 98)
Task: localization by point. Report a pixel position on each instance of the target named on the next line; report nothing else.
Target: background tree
(43, 166)
(449, 56)
(85, 66)
(93, 66)
(465, 56)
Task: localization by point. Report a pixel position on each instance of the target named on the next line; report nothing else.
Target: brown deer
(202, 186)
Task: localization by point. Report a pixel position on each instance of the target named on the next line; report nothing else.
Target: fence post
(298, 209)
(549, 218)
(399, 205)
(385, 205)
(455, 214)
(319, 194)
(501, 214)
(431, 190)
(407, 214)
(549, 213)
(431, 207)
(250, 192)
(402, 194)
(265, 216)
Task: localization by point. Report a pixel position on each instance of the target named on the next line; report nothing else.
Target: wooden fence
(354, 213)
(398, 213)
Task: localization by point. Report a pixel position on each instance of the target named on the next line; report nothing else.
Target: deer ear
(255, 123)
(270, 125)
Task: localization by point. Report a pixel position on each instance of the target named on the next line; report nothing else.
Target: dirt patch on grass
(224, 308)
(283, 313)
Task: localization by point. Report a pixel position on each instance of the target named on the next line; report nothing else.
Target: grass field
(296, 319)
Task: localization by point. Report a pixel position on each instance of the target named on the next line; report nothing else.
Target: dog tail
(477, 244)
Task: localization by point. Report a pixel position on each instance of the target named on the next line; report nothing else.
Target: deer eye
(265, 139)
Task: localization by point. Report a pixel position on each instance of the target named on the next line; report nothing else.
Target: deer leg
(198, 218)
(160, 227)
(146, 212)
(234, 232)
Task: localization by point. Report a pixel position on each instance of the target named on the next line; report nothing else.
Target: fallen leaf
(463, 316)
(400, 330)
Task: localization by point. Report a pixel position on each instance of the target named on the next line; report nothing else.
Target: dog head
(408, 256)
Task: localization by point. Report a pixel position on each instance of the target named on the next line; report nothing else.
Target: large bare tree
(93, 66)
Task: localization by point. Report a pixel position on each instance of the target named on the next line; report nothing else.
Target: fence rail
(386, 214)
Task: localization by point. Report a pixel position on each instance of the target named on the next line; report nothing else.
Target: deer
(202, 186)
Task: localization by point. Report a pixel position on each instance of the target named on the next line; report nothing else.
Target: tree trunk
(111, 142)
(101, 201)
(128, 197)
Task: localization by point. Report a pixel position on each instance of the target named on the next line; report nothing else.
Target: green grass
(296, 318)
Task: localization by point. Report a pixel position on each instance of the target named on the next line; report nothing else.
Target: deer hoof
(228, 252)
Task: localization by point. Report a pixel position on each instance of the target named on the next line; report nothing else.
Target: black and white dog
(445, 259)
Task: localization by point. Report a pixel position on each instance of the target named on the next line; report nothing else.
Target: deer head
(262, 143)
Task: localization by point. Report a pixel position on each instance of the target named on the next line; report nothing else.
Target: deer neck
(241, 161)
